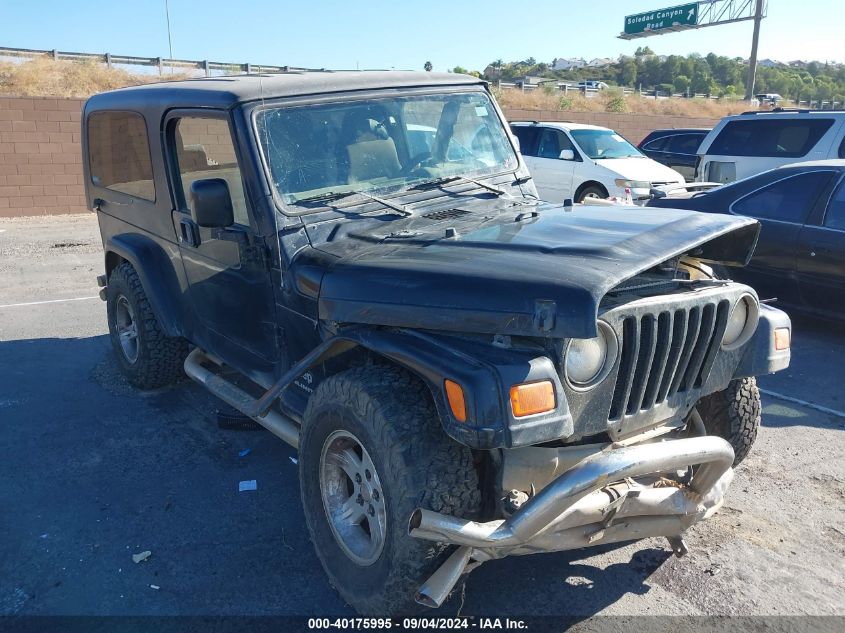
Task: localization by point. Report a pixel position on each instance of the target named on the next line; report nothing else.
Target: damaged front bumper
(597, 501)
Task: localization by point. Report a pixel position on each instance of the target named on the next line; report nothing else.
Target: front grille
(665, 354)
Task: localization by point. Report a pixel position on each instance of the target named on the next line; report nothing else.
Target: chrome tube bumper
(596, 501)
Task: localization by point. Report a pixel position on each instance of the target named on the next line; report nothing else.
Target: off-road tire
(391, 413)
(733, 414)
(591, 191)
(159, 357)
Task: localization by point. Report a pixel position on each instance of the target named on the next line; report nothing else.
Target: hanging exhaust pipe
(438, 587)
(279, 425)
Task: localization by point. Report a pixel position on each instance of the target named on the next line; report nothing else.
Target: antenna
(169, 40)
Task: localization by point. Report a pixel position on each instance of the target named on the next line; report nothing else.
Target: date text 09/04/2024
(435, 624)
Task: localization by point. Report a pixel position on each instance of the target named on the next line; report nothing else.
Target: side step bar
(279, 425)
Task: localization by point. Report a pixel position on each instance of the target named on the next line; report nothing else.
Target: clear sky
(399, 33)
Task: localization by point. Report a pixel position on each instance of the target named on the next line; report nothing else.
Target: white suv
(747, 144)
(577, 161)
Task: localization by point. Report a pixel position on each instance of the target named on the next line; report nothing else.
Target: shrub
(564, 103)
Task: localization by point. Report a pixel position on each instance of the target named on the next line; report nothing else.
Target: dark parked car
(675, 148)
(359, 262)
(800, 256)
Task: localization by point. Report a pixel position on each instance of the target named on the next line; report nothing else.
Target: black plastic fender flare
(155, 269)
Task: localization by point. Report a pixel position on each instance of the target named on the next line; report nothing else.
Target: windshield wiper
(438, 182)
(390, 205)
(328, 196)
(433, 184)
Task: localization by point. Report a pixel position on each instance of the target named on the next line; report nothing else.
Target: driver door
(227, 268)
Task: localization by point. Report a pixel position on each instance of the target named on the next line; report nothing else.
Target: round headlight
(741, 323)
(588, 360)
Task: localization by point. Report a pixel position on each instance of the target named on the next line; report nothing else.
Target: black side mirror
(211, 203)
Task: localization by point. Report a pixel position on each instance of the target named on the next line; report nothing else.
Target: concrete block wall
(41, 163)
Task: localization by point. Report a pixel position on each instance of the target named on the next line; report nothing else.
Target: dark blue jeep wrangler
(358, 261)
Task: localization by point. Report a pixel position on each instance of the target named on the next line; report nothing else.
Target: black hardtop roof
(227, 91)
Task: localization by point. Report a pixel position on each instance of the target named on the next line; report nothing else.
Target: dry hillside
(44, 77)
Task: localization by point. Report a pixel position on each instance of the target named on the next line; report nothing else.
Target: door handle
(188, 232)
(812, 253)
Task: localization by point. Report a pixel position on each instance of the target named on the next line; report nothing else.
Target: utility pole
(752, 62)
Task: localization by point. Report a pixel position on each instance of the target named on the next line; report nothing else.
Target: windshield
(321, 151)
(604, 144)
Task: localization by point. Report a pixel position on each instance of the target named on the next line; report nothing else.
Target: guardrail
(565, 88)
(110, 60)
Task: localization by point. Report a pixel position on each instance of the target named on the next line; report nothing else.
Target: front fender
(486, 373)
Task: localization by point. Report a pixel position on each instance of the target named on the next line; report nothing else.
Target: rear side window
(835, 216)
(527, 138)
(787, 200)
(119, 154)
(685, 144)
(787, 138)
(842, 148)
(657, 145)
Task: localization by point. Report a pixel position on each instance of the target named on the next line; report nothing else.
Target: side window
(527, 137)
(788, 138)
(552, 142)
(204, 149)
(685, 144)
(119, 154)
(835, 216)
(658, 144)
(842, 148)
(788, 200)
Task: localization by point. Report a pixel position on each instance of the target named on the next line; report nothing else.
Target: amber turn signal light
(457, 402)
(781, 338)
(533, 397)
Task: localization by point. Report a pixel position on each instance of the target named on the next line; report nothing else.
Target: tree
(628, 73)
(681, 83)
(427, 67)
(460, 70)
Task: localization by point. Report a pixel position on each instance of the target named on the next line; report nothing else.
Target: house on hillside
(568, 63)
(769, 63)
(530, 82)
(601, 62)
(492, 73)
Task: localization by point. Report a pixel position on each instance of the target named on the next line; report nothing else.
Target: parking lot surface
(95, 471)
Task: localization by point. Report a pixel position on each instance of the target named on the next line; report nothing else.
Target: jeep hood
(540, 276)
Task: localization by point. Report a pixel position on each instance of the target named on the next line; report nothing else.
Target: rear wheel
(148, 357)
(371, 452)
(733, 414)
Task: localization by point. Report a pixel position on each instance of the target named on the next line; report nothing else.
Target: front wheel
(592, 192)
(733, 414)
(371, 452)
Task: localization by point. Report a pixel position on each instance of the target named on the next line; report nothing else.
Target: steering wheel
(415, 163)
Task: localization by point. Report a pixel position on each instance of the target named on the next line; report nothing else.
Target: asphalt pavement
(94, 471)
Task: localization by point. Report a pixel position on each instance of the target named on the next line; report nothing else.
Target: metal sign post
(696, 15)
(752, 61)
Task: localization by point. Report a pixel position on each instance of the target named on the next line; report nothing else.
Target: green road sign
(682, 15)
